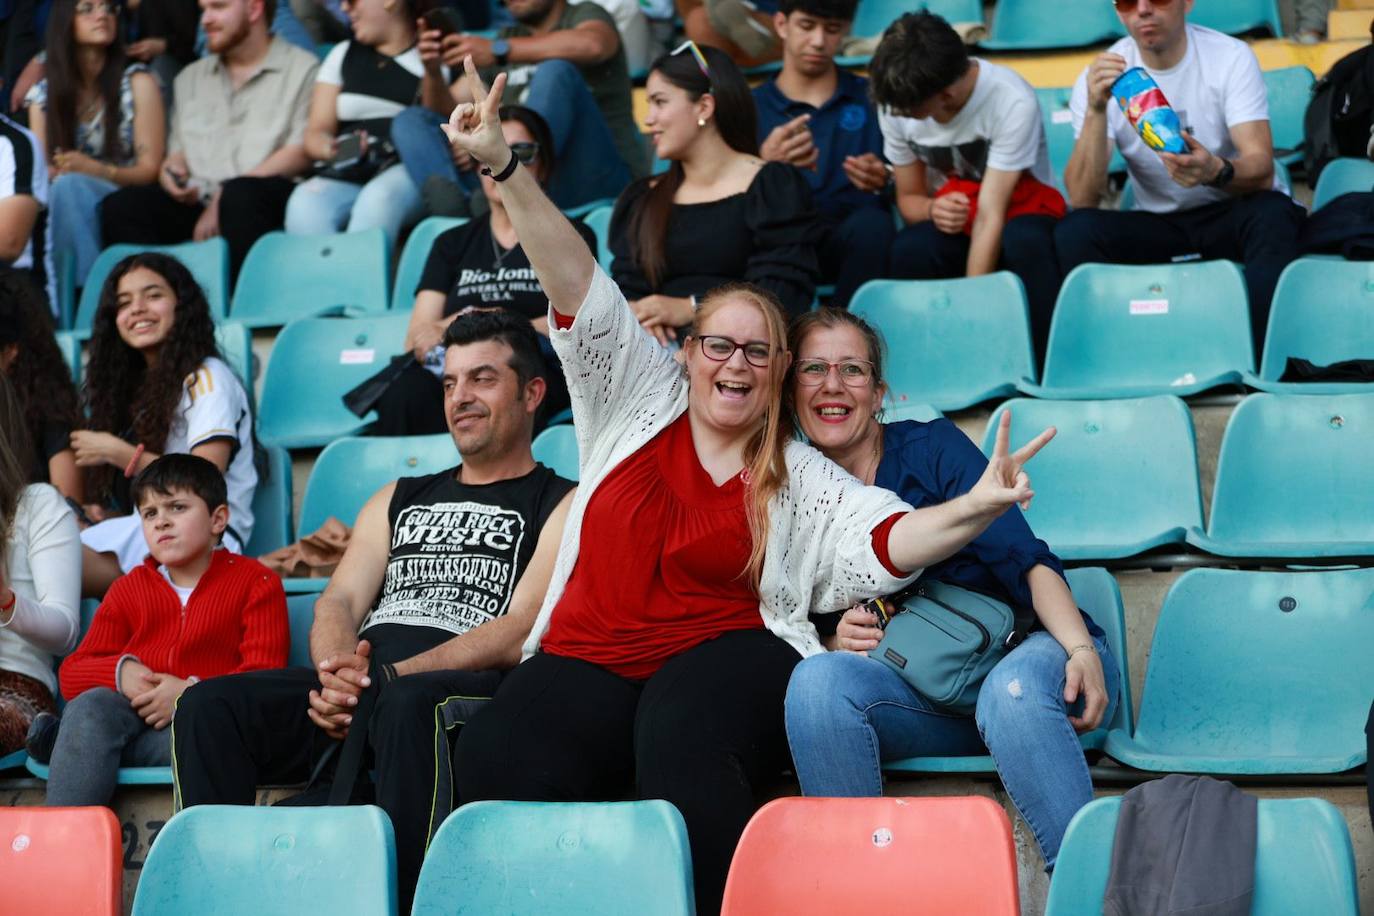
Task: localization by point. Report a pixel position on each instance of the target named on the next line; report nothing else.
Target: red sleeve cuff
(561, 321)
(881, 534)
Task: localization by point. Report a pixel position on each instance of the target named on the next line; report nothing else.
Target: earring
(701, 122)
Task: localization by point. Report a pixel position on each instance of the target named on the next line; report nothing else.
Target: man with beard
(565, 61)
(235, 144)
(435, 594)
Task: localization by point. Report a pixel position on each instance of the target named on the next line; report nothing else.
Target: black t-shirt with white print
(457, 551)
(471, 270)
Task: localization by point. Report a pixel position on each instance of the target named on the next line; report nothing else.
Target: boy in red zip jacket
(191, 611)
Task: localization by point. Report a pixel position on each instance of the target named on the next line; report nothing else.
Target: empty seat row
(799, 856)
(1118, 331)
(1121, 477)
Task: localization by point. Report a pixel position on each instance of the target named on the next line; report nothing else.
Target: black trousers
(702, 733)
(1260, 230)
(923, 252)
(854, 250)
(249, 208)
(232, 734)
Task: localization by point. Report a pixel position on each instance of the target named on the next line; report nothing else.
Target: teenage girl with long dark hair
(156, 384)
(720, 213)
(100, 119)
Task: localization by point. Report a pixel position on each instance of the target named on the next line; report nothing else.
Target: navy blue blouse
(931, 463)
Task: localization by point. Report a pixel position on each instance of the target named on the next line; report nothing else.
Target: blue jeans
(322, 205)
(100, 732)
(848, 713)
(586, 164)
(74, 205)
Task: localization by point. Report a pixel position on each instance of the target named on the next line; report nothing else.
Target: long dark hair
(15, 455)
(64, 80)
(40, 377)
(737, 123)
(122, 394)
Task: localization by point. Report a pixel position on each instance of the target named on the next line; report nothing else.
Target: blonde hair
(764, 453)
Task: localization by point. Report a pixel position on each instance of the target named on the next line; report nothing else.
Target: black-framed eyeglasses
(526, 151)
(717, 348)
(1125, 6)
(855, 373)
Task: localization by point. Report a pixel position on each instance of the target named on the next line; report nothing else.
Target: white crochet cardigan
(626, 389)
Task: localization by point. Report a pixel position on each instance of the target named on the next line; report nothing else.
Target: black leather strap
(505, 173)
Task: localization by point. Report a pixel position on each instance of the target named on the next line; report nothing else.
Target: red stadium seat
(60, 862)
(918, 856)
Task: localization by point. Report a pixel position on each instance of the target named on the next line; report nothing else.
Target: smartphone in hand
(445, 19)
(349, 149)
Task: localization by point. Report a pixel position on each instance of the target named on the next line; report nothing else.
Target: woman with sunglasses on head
(720, 213)
(478, 265)
(701, 537)
(848, 713)
(100, 119)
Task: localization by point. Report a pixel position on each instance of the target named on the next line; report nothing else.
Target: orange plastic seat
(916, 856)
(61, 861)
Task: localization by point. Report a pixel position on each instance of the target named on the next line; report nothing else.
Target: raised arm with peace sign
(559, 256)
(927, 536)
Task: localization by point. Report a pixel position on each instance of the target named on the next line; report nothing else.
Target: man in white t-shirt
(25, 239)
(970, 163)
(1222, 198)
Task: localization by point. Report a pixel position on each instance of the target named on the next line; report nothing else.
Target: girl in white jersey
(155, 384)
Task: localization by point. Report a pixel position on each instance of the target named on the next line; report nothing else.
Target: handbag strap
(351, 754)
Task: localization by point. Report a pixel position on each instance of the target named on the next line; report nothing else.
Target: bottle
(1144, 105)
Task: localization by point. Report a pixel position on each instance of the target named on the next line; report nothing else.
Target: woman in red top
(700, 539)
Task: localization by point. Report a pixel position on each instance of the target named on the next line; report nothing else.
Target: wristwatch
(1228, 171)
(500, 48)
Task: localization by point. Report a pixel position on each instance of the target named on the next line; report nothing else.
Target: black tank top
(457, 551)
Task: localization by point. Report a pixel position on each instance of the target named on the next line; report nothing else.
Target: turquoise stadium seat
(349, 471)
(1237, 16)
(1057, 120)
(69, 342)
(960, 341)
(1304, 862)
(315, 361)
(1021, 25)
(1237, 660)
(1293, 479)
(1289, 90)
(66, 287)
(1341, 176)
(1123, 331)
(236, 345)
(1120, 478)
(909, 411)
(413, 257)
(300, 609)
(272, 505)
(558, 859)
(228, 860)
(582, 210)
(207, 261)
(13, 760)
(1096, 592)
(556, 448)
(286, 277)
(128, 776)
(599, 221)
(1323, 311)
(873, 17)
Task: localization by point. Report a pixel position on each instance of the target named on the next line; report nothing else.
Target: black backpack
(1338, 118)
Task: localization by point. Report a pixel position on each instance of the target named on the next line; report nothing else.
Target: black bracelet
(505, 173)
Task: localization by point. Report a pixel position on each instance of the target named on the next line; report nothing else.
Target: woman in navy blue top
(846, 712)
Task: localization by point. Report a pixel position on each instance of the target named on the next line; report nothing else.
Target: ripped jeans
(848, 713)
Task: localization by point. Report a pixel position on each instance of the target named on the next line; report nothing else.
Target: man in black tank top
(435, 595)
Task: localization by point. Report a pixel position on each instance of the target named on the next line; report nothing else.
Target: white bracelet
(1076, 649)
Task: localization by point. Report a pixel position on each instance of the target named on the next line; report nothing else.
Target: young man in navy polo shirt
(818, 117)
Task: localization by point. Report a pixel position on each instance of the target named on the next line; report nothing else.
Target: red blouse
(661, 564)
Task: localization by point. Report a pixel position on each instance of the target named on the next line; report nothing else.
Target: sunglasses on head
(526, 151)
(1125, 6)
